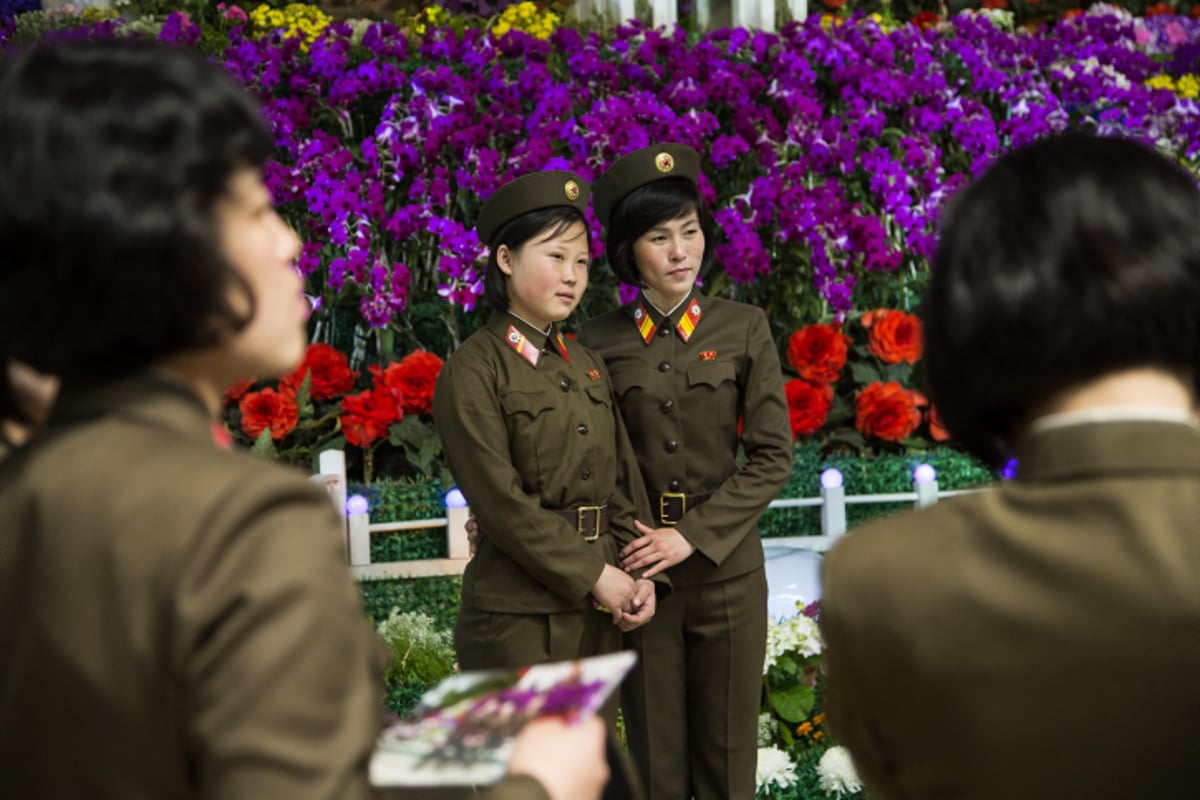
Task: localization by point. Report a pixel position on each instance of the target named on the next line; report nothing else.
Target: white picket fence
(358, 527)
(708, 13)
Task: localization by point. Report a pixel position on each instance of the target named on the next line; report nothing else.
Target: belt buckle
(662, 507)
(579, 512)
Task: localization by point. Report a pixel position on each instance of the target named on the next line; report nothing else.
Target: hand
(615, 591)
(566, 758)
(642, 609)
(655, 550)
(473, 535)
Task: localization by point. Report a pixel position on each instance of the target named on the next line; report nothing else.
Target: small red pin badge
(708, 355)
(594, 374)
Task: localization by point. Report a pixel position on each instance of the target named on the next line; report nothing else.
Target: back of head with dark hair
(648, 206)
(545, 223)
(1071, 259)
(112, 158)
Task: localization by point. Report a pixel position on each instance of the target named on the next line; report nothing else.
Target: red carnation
(367, 415)
(239, 389)
(411, 380)
(887, 411)
(268, 409)
(818, 352)
(926, 19)
(808, 406)
(894, 336)
(331, 373)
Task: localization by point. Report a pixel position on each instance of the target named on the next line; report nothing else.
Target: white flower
(836, 772)
(798, 633)
(766, 730)
(775, 768)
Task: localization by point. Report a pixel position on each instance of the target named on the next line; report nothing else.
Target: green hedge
(883, 473)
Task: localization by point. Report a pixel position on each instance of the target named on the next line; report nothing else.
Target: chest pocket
(717, 380)
(526, 404)
(600, 395)
(623, 382)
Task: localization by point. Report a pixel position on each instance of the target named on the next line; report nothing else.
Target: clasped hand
(655, 550)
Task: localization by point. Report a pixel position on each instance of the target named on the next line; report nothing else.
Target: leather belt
(591, 521)
(670, 507)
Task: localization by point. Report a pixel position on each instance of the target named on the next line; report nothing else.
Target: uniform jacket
(176, 620)
(682, 403)
(1036, 640)
(520, 439)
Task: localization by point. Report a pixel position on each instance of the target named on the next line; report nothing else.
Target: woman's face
(263, 249)
(668, 258)
(547, 275)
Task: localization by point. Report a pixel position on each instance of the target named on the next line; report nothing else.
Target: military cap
(531, 192)
(639, 168)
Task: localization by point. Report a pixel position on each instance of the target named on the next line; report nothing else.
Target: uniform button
(582, 429)
(565, 386)
(673, 486)
(666, 405)
(664, 366)
(545, 351)
(587, 473)
(671, 446)
(665, 330)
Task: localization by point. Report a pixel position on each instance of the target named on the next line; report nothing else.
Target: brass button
(671, 446)
(582, 429)
(664, 366)
(673, 486)
(666, 406)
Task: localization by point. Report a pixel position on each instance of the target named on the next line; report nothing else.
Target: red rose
(808, 406)
(239, 389)
(367, 415)
(331, 373)
(818, 352)
(1195, 12)
(268, 409)
(1072, 13)
(937, 431)
(887, 411)
(894, 336)
(927, 19)
(1158, 9)
(411, 380)
(995, 4)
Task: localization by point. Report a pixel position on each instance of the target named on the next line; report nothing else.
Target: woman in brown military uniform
(530, 431)
(686, 369)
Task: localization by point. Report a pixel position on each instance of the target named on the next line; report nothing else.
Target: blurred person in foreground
(1041, 639)
(177, 620)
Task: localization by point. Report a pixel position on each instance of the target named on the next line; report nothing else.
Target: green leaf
(865, 373)
(264, 445)
(794, 704)
(900, 373)
(303, 396)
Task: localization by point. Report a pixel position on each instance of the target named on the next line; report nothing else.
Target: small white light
(924, 473)
(455, 499)
(831, 478)
(357, 504)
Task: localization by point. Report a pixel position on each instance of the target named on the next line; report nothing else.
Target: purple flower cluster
(828, 150)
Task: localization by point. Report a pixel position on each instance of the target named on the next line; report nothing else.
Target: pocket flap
(711, 373)
(531, 403)
(630, 379)
(600, 394)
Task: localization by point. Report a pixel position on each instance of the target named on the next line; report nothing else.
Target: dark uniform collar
(683, 319)
(527, 341)
(1109, 448)
(152, 397)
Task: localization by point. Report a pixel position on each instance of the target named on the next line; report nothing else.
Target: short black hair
(543, 223)
(1069, 259)
(646, 207)
(113, 155)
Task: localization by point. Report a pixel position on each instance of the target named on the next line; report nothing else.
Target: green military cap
(639, 168)
(531, 192)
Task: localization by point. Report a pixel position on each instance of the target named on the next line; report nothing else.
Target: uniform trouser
(489, 640)
(691, 703)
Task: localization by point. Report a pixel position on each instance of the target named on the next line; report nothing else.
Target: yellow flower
(1188, 86)
(1161, 82)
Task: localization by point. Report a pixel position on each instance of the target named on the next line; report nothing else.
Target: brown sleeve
(517, 787)
(740, 500)
(279, 674)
